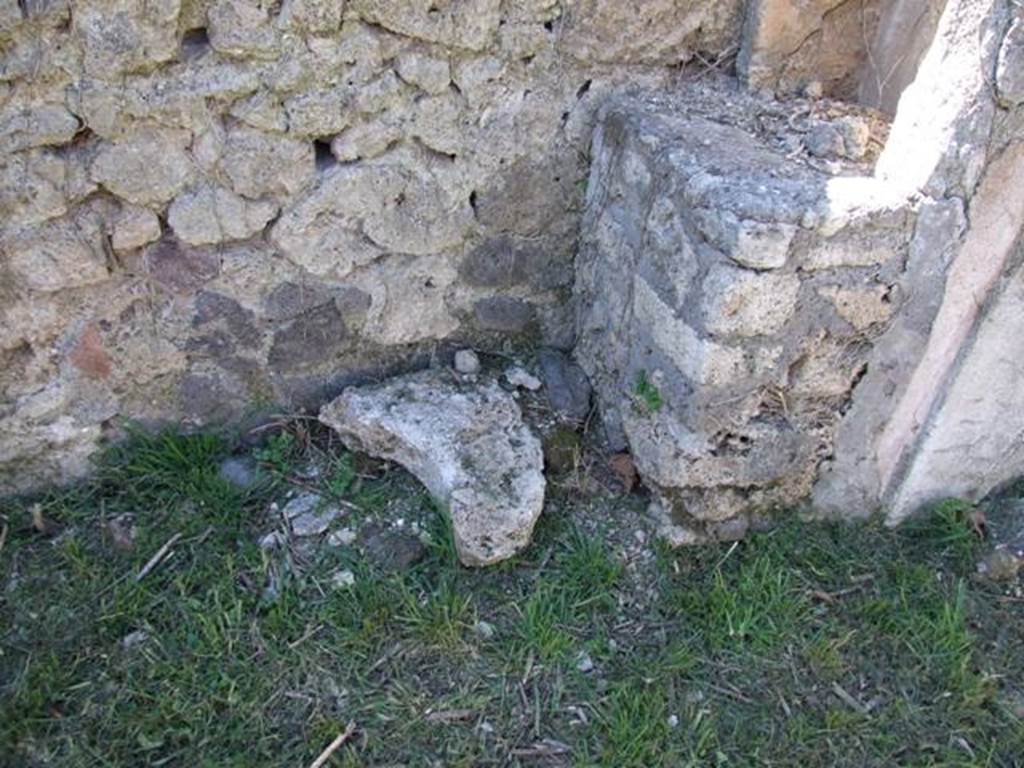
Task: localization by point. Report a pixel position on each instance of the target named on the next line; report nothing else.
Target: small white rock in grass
(467, 362)
(134, 639)
(308, 517)
(272, 540)
(519, 377)
(673, 721)
(343, 579)
(341, 538)
(584, 663)
(484, 630)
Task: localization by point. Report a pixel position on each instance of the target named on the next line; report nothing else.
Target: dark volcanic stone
(566, 384)
(181, 268)
(311, 338)
(503, 313)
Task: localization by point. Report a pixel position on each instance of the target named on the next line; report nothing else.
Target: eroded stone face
(725, 334)
(466, 443)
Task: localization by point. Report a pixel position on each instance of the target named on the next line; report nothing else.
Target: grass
(646, 394)
(811, 645)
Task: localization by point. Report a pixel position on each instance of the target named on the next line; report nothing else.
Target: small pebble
(484, 629)
(467, 362)
(241, 472)
(272, 540)
(343, 579)
(814, 89)
(673, 721)
(341, 538)
(134, 639)
(314, 523)
(518, 376)
(584, 663)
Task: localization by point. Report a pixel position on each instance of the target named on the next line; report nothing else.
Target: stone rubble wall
(730, 285)
(768, 323)
(214, 207)
(211, 209)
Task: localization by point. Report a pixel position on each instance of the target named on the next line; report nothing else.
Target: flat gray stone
(467, 444)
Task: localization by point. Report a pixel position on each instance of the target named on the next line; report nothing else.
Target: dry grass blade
(543, 748)
(156, 559)
(446, 716)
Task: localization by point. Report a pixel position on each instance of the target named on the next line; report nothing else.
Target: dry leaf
(625, 470)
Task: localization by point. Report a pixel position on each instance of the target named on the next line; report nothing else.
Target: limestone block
(262, 111)
(149, 167)
(751, 244)
(61, 253)
(118, 36)
(468, 24)
(209, 214)
(242, 28)
(465, 442)
(738, 302)
(319, 113)
(33, 187)
(407, 299)
(851, 247)
(861, 307)
(399, 205)
(24, 125)
(321, 17)
(700, 360)
(262, 164)
(364, 141)
(135, 227)
(429, 73)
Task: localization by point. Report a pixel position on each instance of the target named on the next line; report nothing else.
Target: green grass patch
(812, 645)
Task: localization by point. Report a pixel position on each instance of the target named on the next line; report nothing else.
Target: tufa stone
(467, 443)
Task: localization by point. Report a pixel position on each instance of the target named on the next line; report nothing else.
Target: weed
(279, 454)
(341, 475)
(647, 394)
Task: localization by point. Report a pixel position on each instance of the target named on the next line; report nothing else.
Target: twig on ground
(841, 692)
(296, 643)
(333, 746)
(155, 560)
(731, 692)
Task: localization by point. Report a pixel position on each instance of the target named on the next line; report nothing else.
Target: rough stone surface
(912, 432)
(466, 443)
(788, 45)
(467, 362)
(155, 152)
(566, 385)
(209, 215)
(206, 206)
(725, 334)
(1010, 68)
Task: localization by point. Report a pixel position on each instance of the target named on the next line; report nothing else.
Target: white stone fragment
(519, 377)
(467, 361)
(466, 442)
